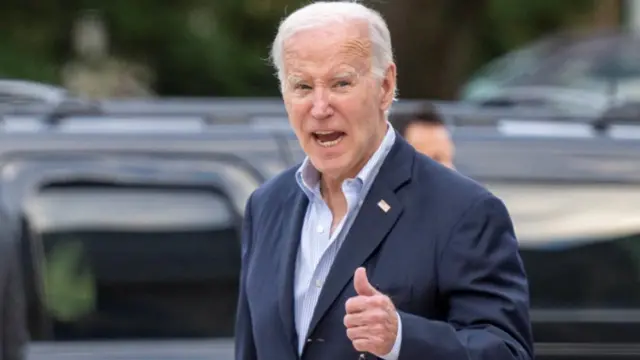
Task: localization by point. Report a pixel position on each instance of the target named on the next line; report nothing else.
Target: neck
(331, 187)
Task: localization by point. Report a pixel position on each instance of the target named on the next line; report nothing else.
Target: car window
(580, 243)
(592, 63)
(136, 262)
(503, 70)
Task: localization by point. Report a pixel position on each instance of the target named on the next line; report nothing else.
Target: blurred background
(128, 207)
(219, 48)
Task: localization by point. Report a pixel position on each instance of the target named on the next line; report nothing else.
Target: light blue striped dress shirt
(319, 247)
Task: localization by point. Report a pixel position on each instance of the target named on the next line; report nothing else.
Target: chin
(334, 167)
(331, 160)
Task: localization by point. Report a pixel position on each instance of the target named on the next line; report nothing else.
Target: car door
(580, 243)
(129, 256)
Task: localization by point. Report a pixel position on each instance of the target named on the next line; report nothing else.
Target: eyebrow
(292, 79)
(296, 79)
(345, 74)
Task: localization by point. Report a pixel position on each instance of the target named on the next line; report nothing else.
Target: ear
(388, 87)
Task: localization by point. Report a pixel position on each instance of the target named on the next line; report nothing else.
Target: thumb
(361, 283)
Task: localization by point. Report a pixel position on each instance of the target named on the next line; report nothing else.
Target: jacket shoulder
(277, 189)
(449, 188)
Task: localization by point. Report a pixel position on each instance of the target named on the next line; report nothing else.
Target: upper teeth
(324, 132)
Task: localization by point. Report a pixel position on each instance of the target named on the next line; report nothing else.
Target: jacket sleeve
(14, 319)
(244, 344)
(482, 283)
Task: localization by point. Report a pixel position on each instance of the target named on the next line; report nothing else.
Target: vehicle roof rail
(463, 114)
(270, 111)
(15, 89)
(72, 107)
(627, 113)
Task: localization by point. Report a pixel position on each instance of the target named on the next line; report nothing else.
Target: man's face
(335, 104)
(433, 141)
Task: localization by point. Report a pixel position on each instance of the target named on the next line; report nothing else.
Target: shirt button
(320, 229)
(318, 283)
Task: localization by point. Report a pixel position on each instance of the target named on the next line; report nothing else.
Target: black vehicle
(130, 221)
(130, 236)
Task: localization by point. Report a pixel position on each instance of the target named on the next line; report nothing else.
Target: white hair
(325, 13)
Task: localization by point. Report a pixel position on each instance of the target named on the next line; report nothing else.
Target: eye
(342, 83)
(302, 87)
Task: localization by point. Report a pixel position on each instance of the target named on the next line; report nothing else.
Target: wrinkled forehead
(341, 47)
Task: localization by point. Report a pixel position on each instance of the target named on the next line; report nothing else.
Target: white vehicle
(573, 73)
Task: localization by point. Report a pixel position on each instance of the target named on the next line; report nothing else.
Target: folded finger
(355, 320)
(356, 304)
(357, 333)
(363, 345)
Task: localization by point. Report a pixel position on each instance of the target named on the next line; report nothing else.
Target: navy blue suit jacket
(445, 253)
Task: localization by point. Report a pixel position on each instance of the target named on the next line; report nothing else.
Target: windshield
(601, 63)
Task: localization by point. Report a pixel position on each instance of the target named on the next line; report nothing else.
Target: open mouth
(328, 138)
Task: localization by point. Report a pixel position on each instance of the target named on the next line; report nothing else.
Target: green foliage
(200, 48)
(28, 42)
(514, 23)
(69, 287)
(216, 48)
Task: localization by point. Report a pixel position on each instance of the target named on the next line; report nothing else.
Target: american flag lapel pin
(384, 206)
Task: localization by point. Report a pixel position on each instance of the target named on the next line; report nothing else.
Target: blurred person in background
(427, 132)
(13, 327)
(368, 250)
(94, 72)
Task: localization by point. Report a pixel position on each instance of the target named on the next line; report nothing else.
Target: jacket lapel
(292, 233)
(371, 226)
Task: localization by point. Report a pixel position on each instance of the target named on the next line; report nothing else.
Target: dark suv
(130, 236)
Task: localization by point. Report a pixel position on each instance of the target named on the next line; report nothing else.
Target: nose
(321, 105)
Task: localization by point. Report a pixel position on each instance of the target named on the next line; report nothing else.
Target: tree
(439, 42)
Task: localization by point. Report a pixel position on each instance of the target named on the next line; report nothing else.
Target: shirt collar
(308, 177)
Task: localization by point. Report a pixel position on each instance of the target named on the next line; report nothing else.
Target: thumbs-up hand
(361, 283)
(371, 319)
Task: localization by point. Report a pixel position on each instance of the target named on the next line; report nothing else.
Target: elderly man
(369, 249)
